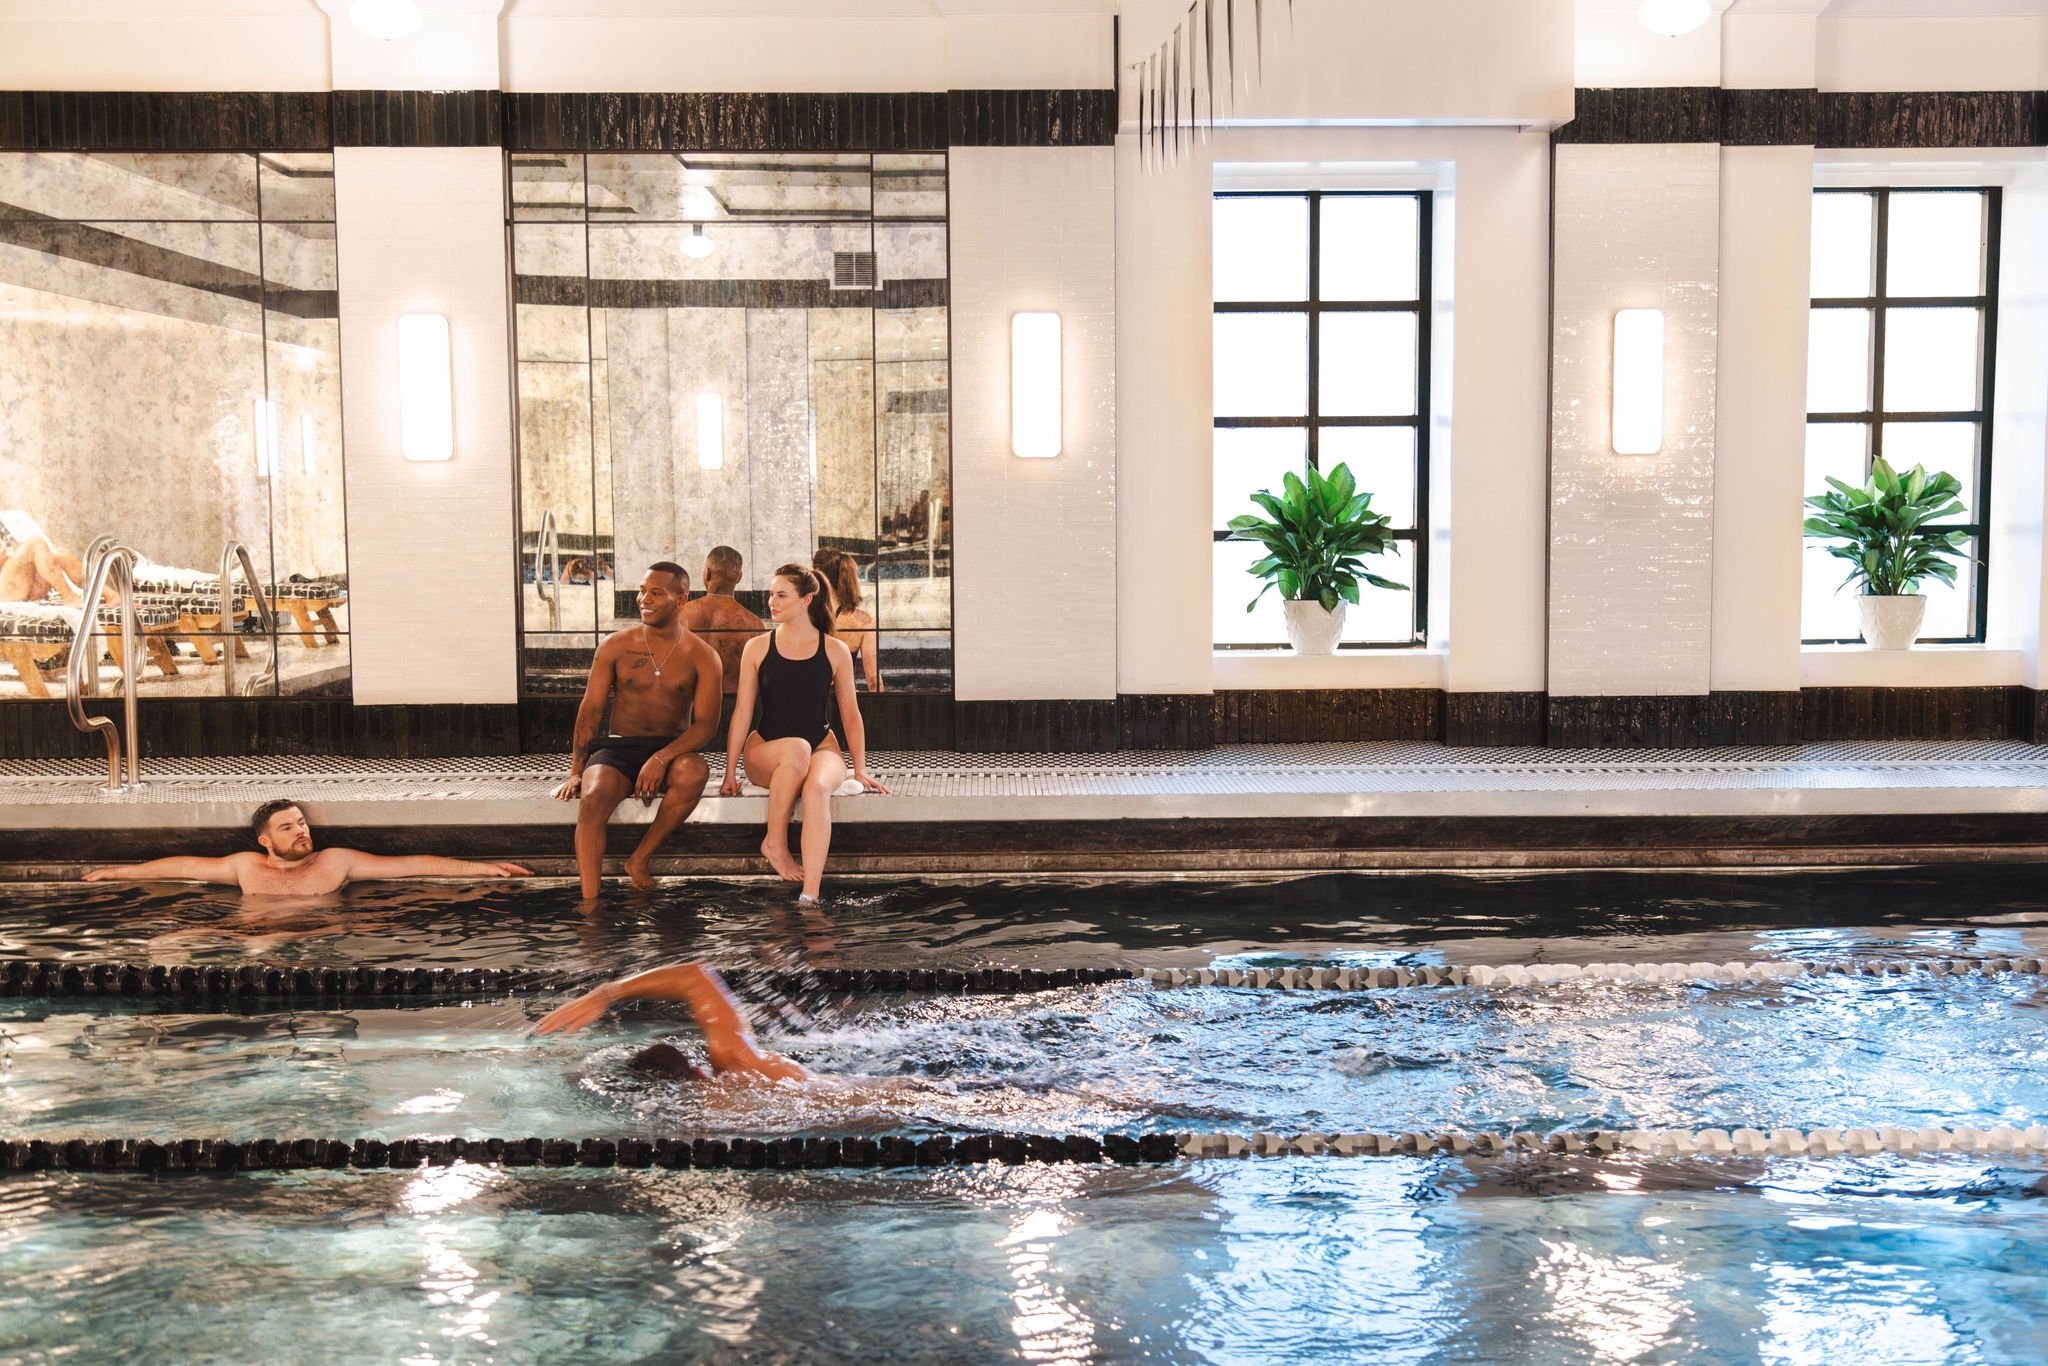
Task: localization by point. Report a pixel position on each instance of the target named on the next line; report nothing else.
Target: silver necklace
(648, 645)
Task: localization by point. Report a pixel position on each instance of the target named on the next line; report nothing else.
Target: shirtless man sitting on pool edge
(290, 866)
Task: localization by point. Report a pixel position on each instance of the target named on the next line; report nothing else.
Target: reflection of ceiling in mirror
(733, 186)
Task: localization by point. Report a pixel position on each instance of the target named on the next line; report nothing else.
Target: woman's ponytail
(811, 585)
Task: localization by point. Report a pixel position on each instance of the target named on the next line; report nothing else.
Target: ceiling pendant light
(386, 19)
(697, 244)
(1672, 18)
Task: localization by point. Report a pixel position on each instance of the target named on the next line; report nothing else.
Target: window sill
(1254, 670)
(1923, 666)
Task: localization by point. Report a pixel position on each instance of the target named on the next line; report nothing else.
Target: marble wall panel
(640, 412)
(154, 186)
(797, 488)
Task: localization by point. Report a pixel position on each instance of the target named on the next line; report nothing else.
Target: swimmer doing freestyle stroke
(290, 866)
(728, 1042)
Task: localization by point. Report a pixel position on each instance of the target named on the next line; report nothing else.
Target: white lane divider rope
(1551, 974)
(2000, 1140)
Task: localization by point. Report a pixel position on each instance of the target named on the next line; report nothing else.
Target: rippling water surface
(1424, 1259)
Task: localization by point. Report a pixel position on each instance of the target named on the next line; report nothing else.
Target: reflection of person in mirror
(789, 681)
(290, 866)
(663, 685)
(849, 623)
(718, 616)
(32, 569)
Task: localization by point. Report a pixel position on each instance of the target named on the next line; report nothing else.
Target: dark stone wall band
(205, 727)
(1809, 118)
(316, 121)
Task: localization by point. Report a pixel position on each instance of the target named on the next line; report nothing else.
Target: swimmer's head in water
(282, 830)
(667, 1062)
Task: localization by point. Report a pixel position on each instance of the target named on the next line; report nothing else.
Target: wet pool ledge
(1253, 806)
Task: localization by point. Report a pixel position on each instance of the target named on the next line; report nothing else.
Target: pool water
(1435, 1258)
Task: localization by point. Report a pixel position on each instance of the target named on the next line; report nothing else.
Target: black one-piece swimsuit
(795, 696)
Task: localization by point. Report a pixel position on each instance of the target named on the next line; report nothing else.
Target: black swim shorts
(627, 753)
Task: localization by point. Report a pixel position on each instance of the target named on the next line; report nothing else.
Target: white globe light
(1673, 17)
(386, 19)
(697, 244)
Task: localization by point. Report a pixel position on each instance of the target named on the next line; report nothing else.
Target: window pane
(1371, 247)
(1249, 458)
(1382, 460)
(1840, 449)
(1233, 589)
(1934, 243)
(1367, 367)
(1261, 365)
(1950, 608)
(1931, 361)
(1261, 250)
(1842, 224)
(1824, 613)
(1838, 361)
(1950, 446)
(1384, 616)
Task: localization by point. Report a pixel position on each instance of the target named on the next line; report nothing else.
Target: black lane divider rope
(42, 977)
(221, 1157)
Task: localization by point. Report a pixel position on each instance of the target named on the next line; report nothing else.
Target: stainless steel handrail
(98, 546)
(230, 617)
(549, 543)
(118, 562)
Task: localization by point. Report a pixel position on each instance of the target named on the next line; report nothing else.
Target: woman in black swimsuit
(782, 723)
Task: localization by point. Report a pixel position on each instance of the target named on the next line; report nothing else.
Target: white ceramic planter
(1891, 623)
(1310, 629)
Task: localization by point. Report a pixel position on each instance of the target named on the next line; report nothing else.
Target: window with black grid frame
(1321, 335)
(1900, 355)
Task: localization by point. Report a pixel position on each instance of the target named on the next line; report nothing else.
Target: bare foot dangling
(637, 873)
(779, 859)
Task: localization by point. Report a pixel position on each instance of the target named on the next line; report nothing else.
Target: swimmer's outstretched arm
(726, 1036)
(176, 869)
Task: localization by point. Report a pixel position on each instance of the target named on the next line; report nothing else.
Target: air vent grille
(853, 270)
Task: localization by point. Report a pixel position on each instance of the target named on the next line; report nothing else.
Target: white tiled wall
(1632, 537)
(421, 230)
(1034, 598)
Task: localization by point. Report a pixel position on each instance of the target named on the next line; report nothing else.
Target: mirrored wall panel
(170, 380)
(734, 362)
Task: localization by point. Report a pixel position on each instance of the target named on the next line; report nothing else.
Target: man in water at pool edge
(290, 866)
(727, 1040)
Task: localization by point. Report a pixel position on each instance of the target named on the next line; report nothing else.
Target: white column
(1034, 593)
(1760, 416)
(431, 609)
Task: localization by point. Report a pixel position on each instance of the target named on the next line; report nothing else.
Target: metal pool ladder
(116, 561)
(231, 616)
(549, 543)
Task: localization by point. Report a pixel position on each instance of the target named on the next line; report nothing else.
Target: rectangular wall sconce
(1638, 381)
(426, 388)
(710, 432)
(264, 415)
(1035, 384)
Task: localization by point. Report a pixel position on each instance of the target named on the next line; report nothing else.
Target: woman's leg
(779, 766)
(827, 772)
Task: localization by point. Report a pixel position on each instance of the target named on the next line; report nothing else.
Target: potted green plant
(1883, 531)
(1317, 533)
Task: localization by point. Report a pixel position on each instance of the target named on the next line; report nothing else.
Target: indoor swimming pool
(1433, 1256)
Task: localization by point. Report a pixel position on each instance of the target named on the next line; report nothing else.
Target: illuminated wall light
(1638, 381)
(710, 432)
(1672, 18)
(1035, 384)
(697, 244)
(386, 19)
(264, 415)
(426, 394)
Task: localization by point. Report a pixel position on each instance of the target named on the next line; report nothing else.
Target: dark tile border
(1797, 117)
(584, 121)
(164, 121)
(201, 727)
(417, 118)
